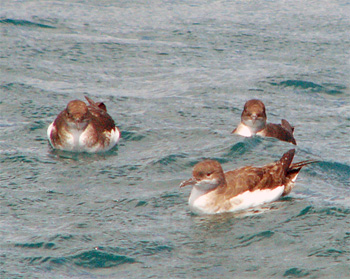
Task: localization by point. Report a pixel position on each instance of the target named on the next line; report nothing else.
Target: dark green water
(174, 75)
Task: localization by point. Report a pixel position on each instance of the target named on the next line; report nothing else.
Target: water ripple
(100, 259)
(23, 22)
(335, 171)
(295, 272)
(247, 240)
(328, 88)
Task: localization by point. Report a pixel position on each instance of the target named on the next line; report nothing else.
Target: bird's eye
(208, 174)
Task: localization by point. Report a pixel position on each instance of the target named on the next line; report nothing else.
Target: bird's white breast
(114, 136)
(49, 130)
(83, 140)
(244, 130)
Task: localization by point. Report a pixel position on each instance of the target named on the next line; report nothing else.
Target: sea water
(174, 75)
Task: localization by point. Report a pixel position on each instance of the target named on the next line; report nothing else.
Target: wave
(328, 88)
(99, 257)
(334, 171)
(247, 240)
(88, 259)
(23, 22)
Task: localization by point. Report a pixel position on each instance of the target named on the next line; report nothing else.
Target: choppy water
(174, 75)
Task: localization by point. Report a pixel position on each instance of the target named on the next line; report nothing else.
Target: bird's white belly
(201, 203)
(251, 199)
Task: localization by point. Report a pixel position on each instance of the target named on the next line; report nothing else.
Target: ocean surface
(174, 75)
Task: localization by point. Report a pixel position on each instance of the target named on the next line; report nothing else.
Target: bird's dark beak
(190, 181)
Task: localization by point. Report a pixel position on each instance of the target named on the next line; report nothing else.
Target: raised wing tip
(287, 158)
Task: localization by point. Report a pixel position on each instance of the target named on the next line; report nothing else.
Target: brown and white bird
(253, 122)
(214, 191)
(83, 128)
